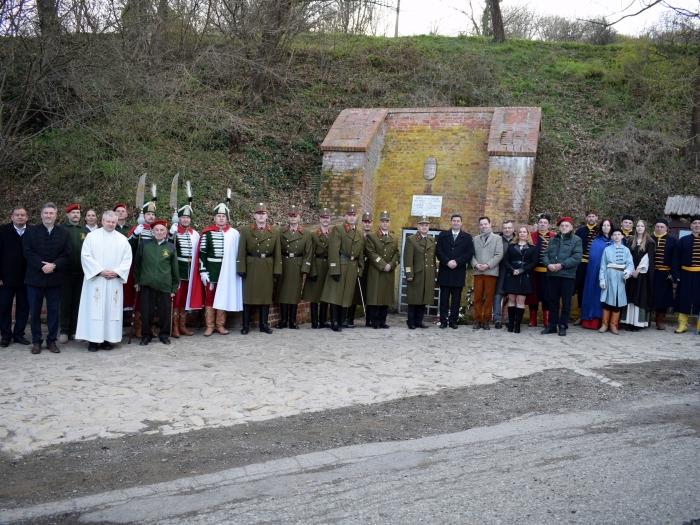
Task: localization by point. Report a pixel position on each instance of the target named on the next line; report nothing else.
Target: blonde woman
(519, 260)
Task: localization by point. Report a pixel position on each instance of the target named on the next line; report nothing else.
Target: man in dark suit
(47, 250)
(13, 266)
(454, 250)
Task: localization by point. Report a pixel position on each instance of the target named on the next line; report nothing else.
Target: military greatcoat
(382, 249)
(419, 263)
(260, 258)
(297, 251)
(319, 267)
(345, 255)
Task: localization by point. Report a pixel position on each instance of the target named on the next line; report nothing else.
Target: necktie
(454, 236)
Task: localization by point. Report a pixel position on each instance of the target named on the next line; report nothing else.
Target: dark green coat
(419, 263)
(566, 250)
(77, 236)
(360, 295)
(345, 258)
(381, 250)
(156, 266)
(260, 271)
(319, 267)
(297, 251)
(124, 230)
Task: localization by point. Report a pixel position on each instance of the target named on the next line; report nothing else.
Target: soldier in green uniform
(313, 286)
(382, 249)
(259, 261)
(297, 250)
(419, 267)
(73, 285)
(157, 275)
(361, 288)
(345, 264)
(122, 216)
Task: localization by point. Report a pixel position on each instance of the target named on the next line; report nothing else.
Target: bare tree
(499, 34)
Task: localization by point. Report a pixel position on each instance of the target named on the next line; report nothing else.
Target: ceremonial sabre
(362, 298)
(133, 316)
(140, 190)
(173, 198)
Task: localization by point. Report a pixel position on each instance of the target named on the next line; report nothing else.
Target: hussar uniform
(686, 272)
(586, 233)
(259, 261)
(627, 233)
(297, 252)
(382, 249)
(345, 264)
(185, 240)
(662, 294)
(419, 267)
(72, 287)
(313, 286)
(540, 280)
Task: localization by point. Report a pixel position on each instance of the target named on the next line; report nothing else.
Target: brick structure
(485, 162)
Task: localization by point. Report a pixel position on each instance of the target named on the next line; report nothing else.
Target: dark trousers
(560, 289)
(150, 300)
(35, 295)
(450, 295)
(70, 303)
(580, 280)
(377, 314)
(7, 297)
(415, 314)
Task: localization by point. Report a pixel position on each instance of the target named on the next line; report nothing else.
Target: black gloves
(336, 278)
(314, 278)
(242, 274)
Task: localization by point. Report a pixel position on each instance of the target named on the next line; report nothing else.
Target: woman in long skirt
(640, 285)
(519, 260)
(615, 268)
(591, 307)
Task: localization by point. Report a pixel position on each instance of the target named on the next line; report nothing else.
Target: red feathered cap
(73, 207)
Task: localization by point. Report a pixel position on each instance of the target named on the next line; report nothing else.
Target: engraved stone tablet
(430, 168)
(430, 205)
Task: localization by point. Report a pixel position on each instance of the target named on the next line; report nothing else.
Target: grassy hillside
(614, 122)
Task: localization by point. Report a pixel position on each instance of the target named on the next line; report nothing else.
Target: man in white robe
(106, 259)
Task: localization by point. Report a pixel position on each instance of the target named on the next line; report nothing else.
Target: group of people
(89, 275)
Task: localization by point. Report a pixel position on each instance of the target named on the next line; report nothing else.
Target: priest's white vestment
(101, 315)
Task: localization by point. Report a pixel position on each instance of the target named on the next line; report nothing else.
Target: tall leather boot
(221, 322)
(660, 317)
(209, 320)
(342, 316)
(605, 322)
(614, 319)
(519, 313)
(137, 325)
(293, 316)
(323, 315)
(264, 312)
(314, 315)
(411, 317)
(335, 315)
(545, 318)
(284, 312)
(176, 323)
(682, 324)
(533, 317)
(182, 321)
(511, 318)
(245, 324)
(350, 316)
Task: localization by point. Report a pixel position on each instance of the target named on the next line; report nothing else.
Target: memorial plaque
(430, 205)
(430, 168)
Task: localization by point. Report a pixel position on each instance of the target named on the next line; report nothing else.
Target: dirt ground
(88, 467)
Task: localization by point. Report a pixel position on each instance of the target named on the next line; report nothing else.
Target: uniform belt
(189, 259)
(292, 255)
(540, 269)
(663, 268)
(691, 268)
(349, 257)
(321, 256)
(258, 255)
(209, 259)
(584, 260)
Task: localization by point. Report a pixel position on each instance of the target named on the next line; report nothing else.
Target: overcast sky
(417, 16)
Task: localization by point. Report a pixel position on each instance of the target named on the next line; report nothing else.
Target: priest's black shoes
(93, 347)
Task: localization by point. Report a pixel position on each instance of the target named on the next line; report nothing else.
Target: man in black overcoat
(47, 250)
(454, 250)
(13, 267)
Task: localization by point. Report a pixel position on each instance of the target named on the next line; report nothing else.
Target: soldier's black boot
(420, 313)
(411, 318)
(350, 321)
(264, 311)
(322, 315)
(245, 328)
(335, 325)
(293, 316)
(284, 311)
(314, 315)
(342, 321)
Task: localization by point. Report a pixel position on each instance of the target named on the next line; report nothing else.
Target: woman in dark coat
(640, 286)
(519, 260)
